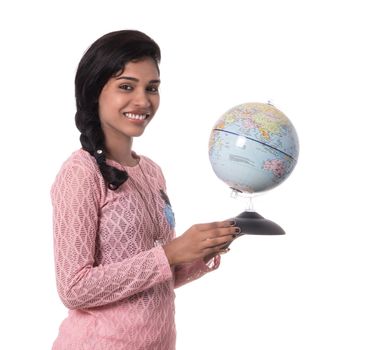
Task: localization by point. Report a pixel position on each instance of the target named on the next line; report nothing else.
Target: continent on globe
(276, 166)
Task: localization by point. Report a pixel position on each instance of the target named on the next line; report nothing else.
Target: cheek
(102, 104)
(106, 104)
(155, 103)
(102, 110)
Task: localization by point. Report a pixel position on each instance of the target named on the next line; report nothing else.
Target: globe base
(252, 223)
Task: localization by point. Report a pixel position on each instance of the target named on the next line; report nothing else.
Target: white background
(313, 288)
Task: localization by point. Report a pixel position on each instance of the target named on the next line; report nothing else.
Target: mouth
(136, 116)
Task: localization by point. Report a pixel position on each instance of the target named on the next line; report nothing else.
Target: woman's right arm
(76, 202)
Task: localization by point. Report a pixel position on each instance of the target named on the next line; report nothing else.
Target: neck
(120, 150)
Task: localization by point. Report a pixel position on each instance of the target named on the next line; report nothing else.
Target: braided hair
(104, 59)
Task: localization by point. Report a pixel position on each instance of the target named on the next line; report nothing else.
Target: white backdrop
(313, 288)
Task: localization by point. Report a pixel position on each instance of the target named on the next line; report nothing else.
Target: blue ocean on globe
(253, 147)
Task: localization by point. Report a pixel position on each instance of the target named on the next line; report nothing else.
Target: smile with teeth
(136, 116)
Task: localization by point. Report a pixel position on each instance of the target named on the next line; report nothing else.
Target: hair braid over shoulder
(92, 141)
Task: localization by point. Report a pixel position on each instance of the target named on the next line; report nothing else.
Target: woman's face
(128, 102)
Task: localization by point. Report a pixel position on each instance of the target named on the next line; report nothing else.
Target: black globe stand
(252, 223)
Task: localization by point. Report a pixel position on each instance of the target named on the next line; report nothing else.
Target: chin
(134, 133)
(137, 134)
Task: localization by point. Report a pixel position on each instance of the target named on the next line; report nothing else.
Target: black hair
(105, 58)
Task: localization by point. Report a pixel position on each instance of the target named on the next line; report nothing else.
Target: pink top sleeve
(186, 273)
(76, 198)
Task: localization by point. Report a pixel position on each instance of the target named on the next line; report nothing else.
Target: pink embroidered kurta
(111, 270)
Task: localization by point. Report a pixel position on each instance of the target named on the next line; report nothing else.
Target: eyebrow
(155, 81)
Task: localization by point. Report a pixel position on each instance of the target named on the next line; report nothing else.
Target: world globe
(253, 147)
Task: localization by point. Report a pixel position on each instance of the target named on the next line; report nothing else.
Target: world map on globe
(253, 147)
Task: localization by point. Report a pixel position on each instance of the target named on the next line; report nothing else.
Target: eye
(154, 89)
(126, 87)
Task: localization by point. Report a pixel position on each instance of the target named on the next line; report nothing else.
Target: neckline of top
(127, 167)
(119, 166)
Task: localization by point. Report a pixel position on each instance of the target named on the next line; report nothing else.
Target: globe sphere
(253, 147)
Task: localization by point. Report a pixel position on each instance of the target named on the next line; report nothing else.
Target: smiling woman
(117, 258)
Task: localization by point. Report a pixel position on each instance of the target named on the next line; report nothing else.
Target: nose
(141, 99)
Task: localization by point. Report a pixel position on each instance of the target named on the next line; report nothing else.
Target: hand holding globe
(253, 148)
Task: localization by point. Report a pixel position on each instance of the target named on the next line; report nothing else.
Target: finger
(217, 250)
(225, 246)
(224, 251)
(227, 223)
(222, 232)
(216, 224)
(218, 242)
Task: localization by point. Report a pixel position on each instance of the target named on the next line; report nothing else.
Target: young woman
(116, 255)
